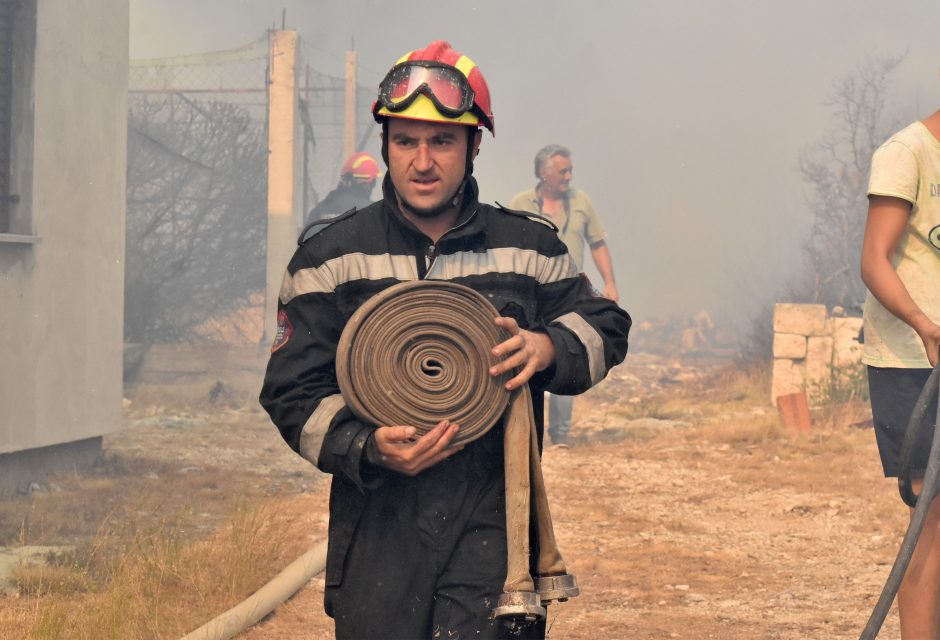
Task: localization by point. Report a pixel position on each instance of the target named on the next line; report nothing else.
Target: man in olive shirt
(572, 212)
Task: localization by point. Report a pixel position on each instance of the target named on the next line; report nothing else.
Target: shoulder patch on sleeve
(310, 230)
(284, 331)
(535, 217)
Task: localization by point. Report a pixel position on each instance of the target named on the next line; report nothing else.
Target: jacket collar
(469, 222)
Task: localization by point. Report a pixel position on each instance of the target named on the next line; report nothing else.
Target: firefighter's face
(426, 161)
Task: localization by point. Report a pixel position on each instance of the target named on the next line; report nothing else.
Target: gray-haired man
(572, 212)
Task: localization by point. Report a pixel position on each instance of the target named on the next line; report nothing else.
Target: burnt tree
(836, 173)
(196, 219)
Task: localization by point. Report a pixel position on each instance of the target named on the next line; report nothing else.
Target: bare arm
(601, 255)
(887, 219)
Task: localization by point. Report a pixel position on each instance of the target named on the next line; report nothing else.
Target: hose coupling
(559, 588)
(519, 606)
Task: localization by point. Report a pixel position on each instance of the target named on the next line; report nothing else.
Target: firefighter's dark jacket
(517, 262)
(343, 198)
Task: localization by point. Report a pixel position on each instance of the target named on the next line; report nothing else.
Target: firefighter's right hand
(400, 451)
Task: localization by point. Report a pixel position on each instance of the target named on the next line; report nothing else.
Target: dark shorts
(894, 393)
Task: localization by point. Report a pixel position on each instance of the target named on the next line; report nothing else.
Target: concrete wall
(61, 291)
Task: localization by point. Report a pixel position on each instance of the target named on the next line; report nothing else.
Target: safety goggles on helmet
(443, 84)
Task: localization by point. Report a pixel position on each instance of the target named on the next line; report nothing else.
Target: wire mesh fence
(325, 97)
(197, 185)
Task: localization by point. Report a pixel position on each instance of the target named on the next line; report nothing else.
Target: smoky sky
(685, 118)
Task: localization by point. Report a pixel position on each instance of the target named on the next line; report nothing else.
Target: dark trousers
(428, 559)
(559, 418)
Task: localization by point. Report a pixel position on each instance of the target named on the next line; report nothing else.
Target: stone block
(803, 319)
(848, 328)
(787, 378)
(847, 350)
(789, 345)
(847, 354)
(818, 366)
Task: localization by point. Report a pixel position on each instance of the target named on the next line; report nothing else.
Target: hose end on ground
(519, 607)
(559, 588)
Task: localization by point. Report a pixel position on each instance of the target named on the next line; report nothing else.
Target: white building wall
(62, 267)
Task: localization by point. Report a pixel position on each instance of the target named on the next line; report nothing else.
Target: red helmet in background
(435, 84)
(361, 166)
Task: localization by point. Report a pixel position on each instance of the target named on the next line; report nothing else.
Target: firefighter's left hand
(529, 350)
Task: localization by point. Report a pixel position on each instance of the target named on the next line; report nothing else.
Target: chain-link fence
(324, 97)
(197, 186)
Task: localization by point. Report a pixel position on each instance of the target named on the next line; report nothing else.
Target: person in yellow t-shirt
(900, 265)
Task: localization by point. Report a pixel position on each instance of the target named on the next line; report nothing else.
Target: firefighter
(356, 182)
(573, 213)
(417, 532)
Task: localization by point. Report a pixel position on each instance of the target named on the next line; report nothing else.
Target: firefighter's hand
(398, 449)
(529, 350)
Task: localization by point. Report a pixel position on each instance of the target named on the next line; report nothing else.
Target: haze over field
(686, 119)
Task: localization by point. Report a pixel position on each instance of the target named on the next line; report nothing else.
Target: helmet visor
(445, 85)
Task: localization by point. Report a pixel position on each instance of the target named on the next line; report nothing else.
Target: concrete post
(349, 133)
(282, 145)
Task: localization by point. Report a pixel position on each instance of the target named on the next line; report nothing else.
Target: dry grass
(238, 390)
(723, 391)
(762, 430)
(147, 549)
(138, 581)
(729, 412)
(118, 490)
(834, 443)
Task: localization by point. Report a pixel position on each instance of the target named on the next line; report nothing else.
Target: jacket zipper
(429, 257)
(431, 253)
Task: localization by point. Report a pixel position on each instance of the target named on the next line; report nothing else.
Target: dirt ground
(682, 509)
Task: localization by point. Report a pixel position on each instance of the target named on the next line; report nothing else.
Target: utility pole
(349, 132)
(283, 197)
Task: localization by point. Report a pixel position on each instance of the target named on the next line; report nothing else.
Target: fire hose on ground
(416, 354)
(920, 503)
(264, 600)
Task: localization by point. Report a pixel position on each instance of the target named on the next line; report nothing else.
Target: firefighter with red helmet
(360, 167)
(356, 182)
(417, 531)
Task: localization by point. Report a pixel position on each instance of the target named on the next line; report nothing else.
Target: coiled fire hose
(920, 503)
(420, 352)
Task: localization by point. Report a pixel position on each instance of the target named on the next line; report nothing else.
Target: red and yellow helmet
(361, 166)
(435, 84)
